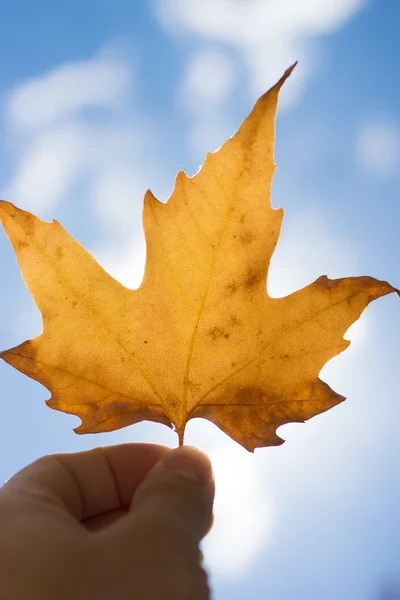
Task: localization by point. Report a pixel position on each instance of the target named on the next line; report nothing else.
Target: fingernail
(190, 463)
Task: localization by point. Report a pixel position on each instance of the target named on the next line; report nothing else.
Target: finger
(170, 513)
(86, 483)
(179, 487)
(182, 486)
(104, 519)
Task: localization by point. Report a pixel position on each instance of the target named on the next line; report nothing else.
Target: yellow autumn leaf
(200, 337)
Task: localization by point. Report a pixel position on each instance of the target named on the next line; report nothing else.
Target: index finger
(86, 483)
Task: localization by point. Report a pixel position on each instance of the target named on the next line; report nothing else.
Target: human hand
(117, 522)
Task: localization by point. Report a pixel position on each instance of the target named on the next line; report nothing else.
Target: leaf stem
(181, 435)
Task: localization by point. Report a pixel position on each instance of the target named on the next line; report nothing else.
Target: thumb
(170, 513)
(180, 490)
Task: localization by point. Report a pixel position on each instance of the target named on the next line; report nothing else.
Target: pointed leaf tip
(286, 75)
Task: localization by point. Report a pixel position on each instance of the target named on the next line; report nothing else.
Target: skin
(118, 522)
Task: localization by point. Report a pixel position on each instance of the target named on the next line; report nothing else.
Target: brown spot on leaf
(234, 321)
(231, 288)
(216, 333)
(252, 278)
(246, 237)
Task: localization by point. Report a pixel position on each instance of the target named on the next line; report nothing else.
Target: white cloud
(48, 166)
(377, 148)
(117, 196)
(260, 38)
(102, 81)
(57, 144)
(209, 130)
(270, 35)
(209, 78)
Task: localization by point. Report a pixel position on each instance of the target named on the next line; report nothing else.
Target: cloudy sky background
(101, 100)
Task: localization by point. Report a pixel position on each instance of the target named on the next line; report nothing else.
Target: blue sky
(101, 100)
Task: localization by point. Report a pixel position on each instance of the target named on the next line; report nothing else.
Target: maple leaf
(200, 337)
